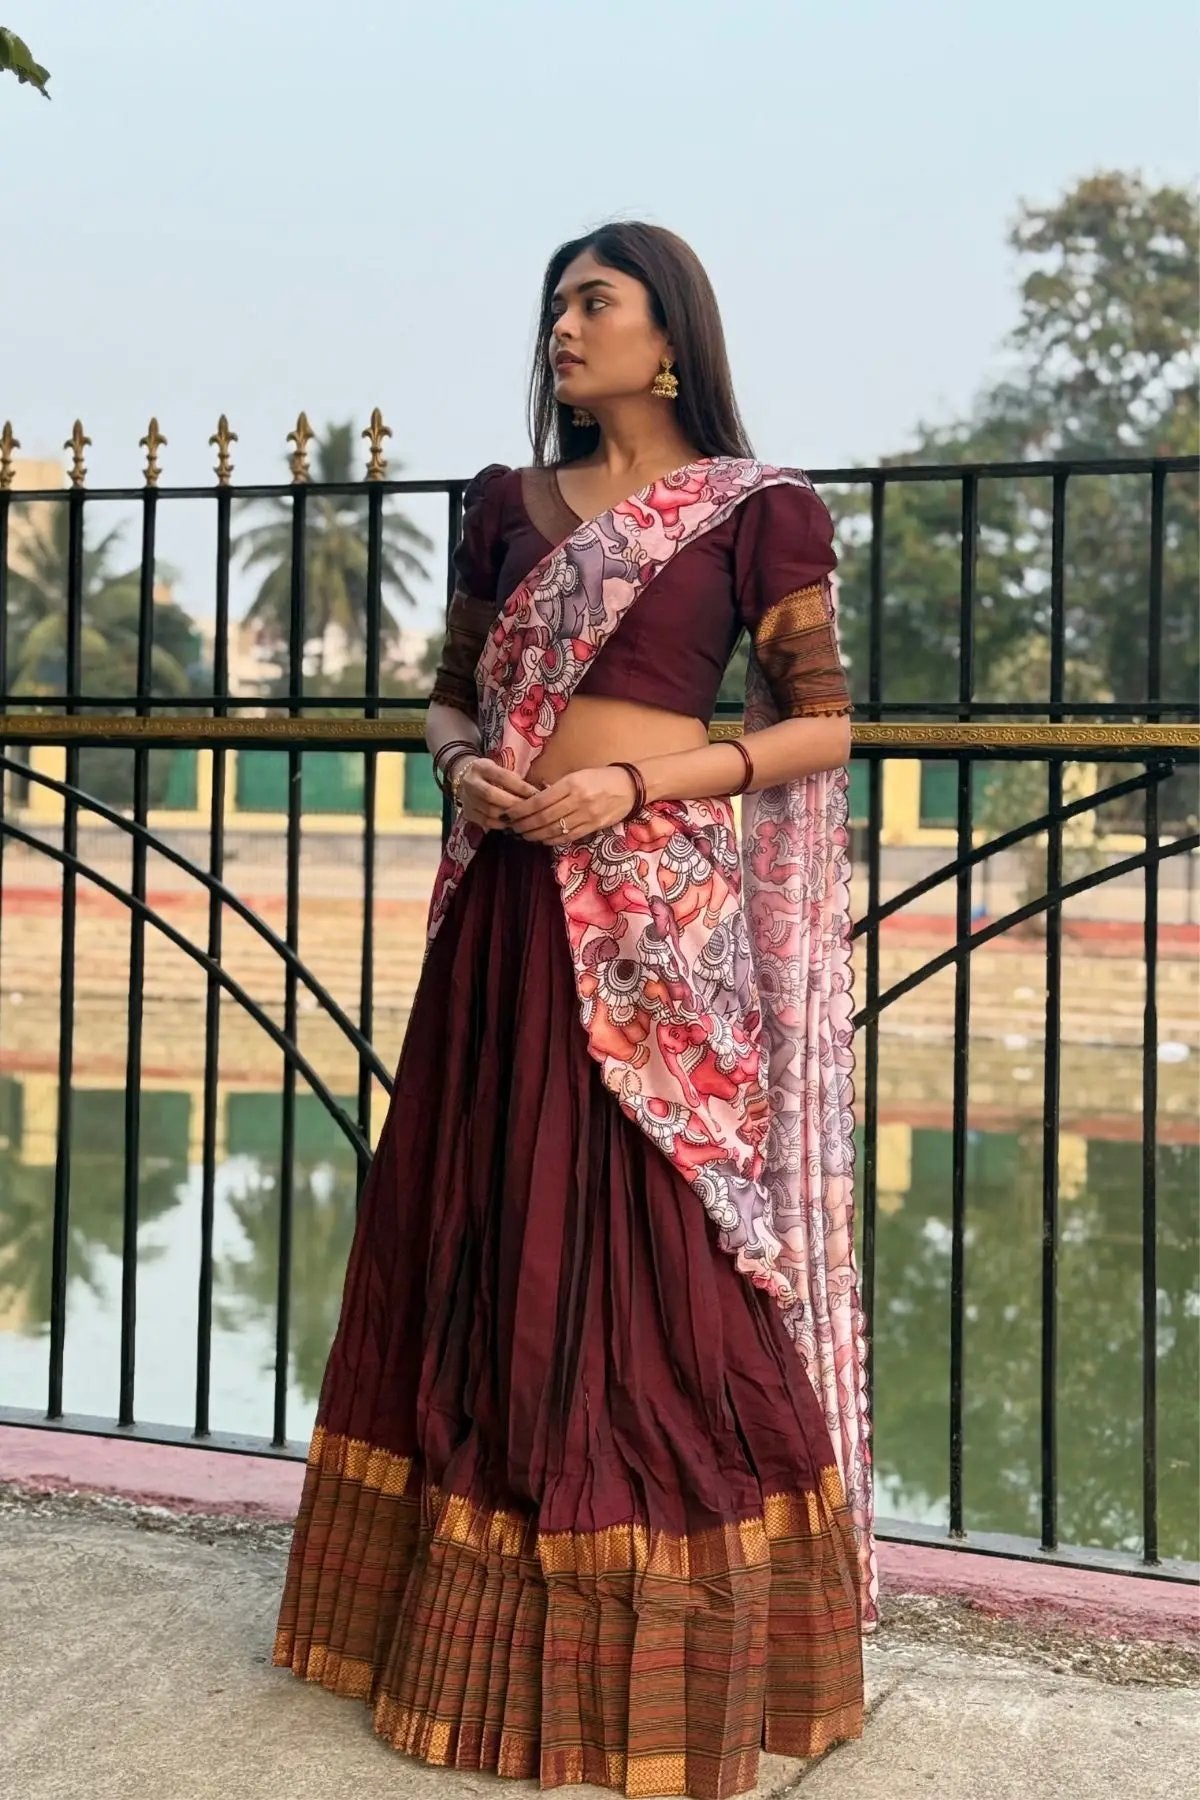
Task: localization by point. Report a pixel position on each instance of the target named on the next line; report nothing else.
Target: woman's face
(604, 342)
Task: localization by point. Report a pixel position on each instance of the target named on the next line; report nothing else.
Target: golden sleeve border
(795, 642)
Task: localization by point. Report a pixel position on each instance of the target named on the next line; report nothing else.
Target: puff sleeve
(476, 562)
(783, 563)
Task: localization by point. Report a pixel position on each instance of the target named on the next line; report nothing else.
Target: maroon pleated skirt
(571, 1509)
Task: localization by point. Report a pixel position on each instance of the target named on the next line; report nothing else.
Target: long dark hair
(684, 305)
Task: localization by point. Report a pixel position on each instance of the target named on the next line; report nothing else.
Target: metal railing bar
(963, 884)
(454, 533)
(1132, 712)
(66, 977)
(287, 1154)
(1150, 1056)
(366, 991)
(1150, 1192)
(1158, 534)
(137, 980)
(1052, 1052)
(212, 989)
(853, 475)
(1027, 1549)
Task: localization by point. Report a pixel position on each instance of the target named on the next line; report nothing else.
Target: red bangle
(738, 745)
(639, 786)
(449, 753)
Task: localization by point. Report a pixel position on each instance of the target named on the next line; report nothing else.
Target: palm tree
(38, 587)
(336, 558)
(111, 609)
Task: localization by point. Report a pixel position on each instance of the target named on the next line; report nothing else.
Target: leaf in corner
(15, 55)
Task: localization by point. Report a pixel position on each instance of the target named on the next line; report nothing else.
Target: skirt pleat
(571, 1510)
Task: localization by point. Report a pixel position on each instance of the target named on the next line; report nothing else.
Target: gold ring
(562, 827)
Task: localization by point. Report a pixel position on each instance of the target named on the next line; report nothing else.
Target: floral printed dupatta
(714, 986)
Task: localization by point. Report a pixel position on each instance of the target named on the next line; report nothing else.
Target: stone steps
(1103, 995)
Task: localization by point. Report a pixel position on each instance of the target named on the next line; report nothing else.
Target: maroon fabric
(672, 649)
(504, 1314)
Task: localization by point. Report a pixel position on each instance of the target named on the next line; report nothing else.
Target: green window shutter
(179, 782)
(262, 780)
(939, 791)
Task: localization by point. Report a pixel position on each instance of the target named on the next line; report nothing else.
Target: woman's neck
(639, 439)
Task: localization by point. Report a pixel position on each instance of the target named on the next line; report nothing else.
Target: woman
(575, 1507)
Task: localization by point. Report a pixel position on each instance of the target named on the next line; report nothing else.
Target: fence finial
(302, 437)
(221, 439)
(8, 443)
(375, 433)
(77, 443)
(152, 443)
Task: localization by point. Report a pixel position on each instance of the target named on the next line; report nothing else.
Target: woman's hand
(574, 807)
(486, 791)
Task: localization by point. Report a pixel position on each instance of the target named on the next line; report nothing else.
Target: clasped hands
(497, 799)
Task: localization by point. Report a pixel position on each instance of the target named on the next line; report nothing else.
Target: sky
(258, 206)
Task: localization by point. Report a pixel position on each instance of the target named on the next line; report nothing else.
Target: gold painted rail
(382, 734)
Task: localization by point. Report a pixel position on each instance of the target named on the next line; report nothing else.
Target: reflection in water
(1099, 1335)
(1099, 1378)
(322, 1226)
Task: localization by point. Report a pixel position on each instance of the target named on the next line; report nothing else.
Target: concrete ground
(134, 1665)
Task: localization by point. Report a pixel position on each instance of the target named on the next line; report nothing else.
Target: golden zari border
(803, 610)
(356, 1460)
(630, 1548)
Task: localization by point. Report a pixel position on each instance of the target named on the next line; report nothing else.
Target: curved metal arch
(290, 1051)
(1018, 834)
(1081, 885)
(213, 886)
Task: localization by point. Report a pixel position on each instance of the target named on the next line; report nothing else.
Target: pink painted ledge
(259, 1487)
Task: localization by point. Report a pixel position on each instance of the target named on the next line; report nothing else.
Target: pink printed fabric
(714, 986)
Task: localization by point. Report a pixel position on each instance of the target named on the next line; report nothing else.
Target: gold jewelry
(665, 385)
(448, 755)
(465, 763)
(562, 828)
(582, 417)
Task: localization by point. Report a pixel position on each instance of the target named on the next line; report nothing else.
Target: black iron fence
(1093, 690)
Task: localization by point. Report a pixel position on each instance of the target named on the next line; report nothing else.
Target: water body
(1100, 1328)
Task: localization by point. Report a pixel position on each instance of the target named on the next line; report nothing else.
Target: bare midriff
(594, 730)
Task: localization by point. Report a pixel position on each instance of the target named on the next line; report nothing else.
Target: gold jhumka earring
(581, 417)
(665, 385)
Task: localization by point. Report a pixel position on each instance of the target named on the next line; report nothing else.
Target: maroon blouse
(764, 569)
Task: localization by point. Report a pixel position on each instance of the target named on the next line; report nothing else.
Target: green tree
(111, 606)
(429, 662)
(1013, 793)
(1104, 360)
(38, 586)
(336, 553)
(17, 59)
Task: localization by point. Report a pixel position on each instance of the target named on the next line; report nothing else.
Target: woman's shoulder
(782, 500)
(488, 486)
